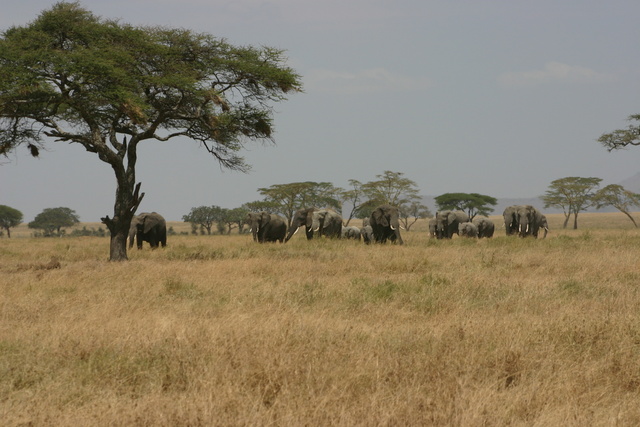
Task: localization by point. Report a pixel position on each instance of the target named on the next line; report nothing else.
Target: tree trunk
(575, 221)
(566, 220)
(125, 207)
(118, 246)
(630, 217)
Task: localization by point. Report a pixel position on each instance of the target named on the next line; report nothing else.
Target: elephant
(433, 223)
(486, 227)
(544, 225)
(300, 218)
(351, 232)
(467, 229)
(447, 223)
(148, 227)
(327, 222)
(510, 222)
(385, 224)
(267, 227)
(523, 220)
(367, 234)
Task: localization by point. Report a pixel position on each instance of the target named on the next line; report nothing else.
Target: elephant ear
(381, 218)
(149, 222)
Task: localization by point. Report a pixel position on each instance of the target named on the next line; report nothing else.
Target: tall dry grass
(222, 331)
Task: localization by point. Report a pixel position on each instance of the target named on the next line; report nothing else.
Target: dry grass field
(219, 330)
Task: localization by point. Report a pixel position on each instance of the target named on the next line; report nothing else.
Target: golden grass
(218, 330)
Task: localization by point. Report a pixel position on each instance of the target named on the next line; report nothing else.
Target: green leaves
(621, 138)
(471, 203)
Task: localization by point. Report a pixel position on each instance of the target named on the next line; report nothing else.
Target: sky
(498, 97)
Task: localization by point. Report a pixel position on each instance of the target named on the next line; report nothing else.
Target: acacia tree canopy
(620, 138)
(107, 86)
(471, 203)
(573, 194)
(52, 220)
(9, 217)
(617, 196)
(298, 195)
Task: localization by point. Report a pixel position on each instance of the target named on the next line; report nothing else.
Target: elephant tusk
(316, 229)
(392, 228)
(296, 230)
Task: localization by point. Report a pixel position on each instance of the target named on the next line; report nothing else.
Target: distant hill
(632, 183)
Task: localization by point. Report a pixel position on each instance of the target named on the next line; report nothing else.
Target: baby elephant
(467, 229)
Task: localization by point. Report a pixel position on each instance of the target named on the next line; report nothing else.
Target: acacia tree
(234, 218)
(297, 195)
(472, 204)
(394, 189)
(411, 212)
(352, 197)
(391, 188)
(615, 195)
(204, 216)
(9, 217)
(53, 220)
(620, 138)
(572, 194)
(108, 86)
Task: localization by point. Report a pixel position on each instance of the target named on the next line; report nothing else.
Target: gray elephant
(528, 219)
(433, 224)
(351, 232)
(148, 227)
(467, 229)
(385, 224)
(367, 234)
(523, 220)
(486, 227)
(302, 217)
(327, 222)
(544, 225)
(510, 221)
(447, 223)
(267, 227)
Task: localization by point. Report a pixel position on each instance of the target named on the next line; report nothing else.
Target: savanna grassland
(219, 330)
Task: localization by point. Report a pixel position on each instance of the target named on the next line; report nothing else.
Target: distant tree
(77, 78)
(9, 218)
(394, 189)
(620, 138)
(391, 188)
(573, 195)
(204, 216)
(410, 213)
(52, 220)
(262, 205)
(471, 203)
(353, 198)
(615, 195)
(297, 195)
(234, 218)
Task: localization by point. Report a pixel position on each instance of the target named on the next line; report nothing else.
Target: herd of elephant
(383, 225)
(521, 220)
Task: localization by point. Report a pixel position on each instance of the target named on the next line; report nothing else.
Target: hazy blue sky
(495, 97)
